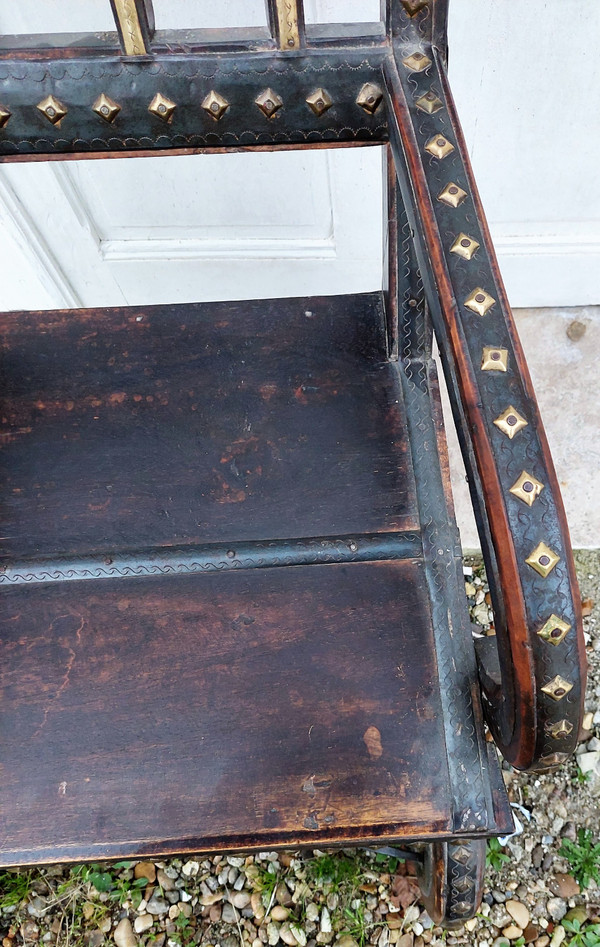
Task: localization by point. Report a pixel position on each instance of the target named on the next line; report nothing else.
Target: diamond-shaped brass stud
(527, 488)
(554, 759)
(542, 559)
(563, 728)
(510, 422)
(462, 908)
(269, 102)
(106, 108)
(52, 109)
(463, 885)
(162, 107)
(413, 6)
(461, 854)
(557, 688)
(369, 97)
(479, 301)
(439, 147)
(493, 359)
(452, 195)
(464, 246)
(429, 103)
(319, 101)
(215, 105)
(4, 115)
(554, 630)
(417, 62)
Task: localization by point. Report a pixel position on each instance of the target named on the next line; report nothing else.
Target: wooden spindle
(286, 22)
(135, 25)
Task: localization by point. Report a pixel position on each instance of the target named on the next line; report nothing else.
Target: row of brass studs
(526, 488)
(269, 102)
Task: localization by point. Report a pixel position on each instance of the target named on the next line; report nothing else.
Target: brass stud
(215, 105)
(4, 115)
(554, 630)
(369, 97)
(464, 246)
(542, 559)
(463, 907)
(429, 103)
(162, 107)
(319, 101)
(479, 301)
(510, 422)
(463, 885)
(452, 195)
(557, 688)
(269, 102)
(417, 62)
(413, 6)
(527, 488)
(439, 147)
(106, 108)
(52, 109)
(461, 854)
(561, 729)
(494, 360)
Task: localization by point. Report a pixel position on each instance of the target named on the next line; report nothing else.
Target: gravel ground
(347, 899)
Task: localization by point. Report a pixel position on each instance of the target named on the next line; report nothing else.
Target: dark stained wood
(520, 717)
(204, 423)
(134, 20)
(219, 711)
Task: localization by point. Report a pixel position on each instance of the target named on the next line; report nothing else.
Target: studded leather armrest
(532, 672)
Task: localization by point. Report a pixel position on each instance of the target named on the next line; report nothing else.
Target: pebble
(346, 940)
(542, 941)
(417, 928)
(123, 934)
(405, 940)
(325, 925)
(558, 936)
(142, 923)
(241, 900)
(165, 882)
(411, 914)
(501, 942)
(279, 913)
(530, 933)
(498, 896)
(37, 907)
(564, 886)
(569, 831)
(556, 908)
(157, 905)
(30, 931)
(513, 932)
(287, 935)
(190, 869)
(229, 913)
(273, 933)
(519, 913)
(145, 870)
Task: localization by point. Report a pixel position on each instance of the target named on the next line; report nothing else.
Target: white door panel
(233, 226)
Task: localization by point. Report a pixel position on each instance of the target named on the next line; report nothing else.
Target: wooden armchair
(231, 576)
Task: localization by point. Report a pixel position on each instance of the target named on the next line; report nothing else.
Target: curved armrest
(532, 672)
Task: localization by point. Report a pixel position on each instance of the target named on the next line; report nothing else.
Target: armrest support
(533, 672)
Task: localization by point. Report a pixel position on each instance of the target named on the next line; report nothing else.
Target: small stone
(513, 932)
(312, 911)
(519, 913)
(273, 933)
(394, 922)
(166, 883)
(241, 900)
(405, 940)
(530, 933)
(208, 899)
(214, 913)
(229, 914)
(411, 914)
(145, 870)
(298, 933)
(287, 936)
(470, 925)
(558, 936)
(563, 885)
(283, 896)
(142, 923)
(236, 861)
(588, 762)
(37, 907)
(501, 942)
(556, 908)
(569, 831)
(499, 896)
(123, 935)
(578, 913)
(157, 905)
(417, 929)
(190, 869)
(542, 941)
(547, 862)
(587, 722)
(346, 940)
(29, 931)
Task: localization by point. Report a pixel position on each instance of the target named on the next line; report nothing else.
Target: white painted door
(213, 227)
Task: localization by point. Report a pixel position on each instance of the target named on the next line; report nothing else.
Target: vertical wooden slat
(135, 25)
(390, 253)
(286, 22)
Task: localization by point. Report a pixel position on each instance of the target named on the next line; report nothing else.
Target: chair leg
(451, 880)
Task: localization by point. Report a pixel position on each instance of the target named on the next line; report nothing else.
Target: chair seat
(217, 628)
